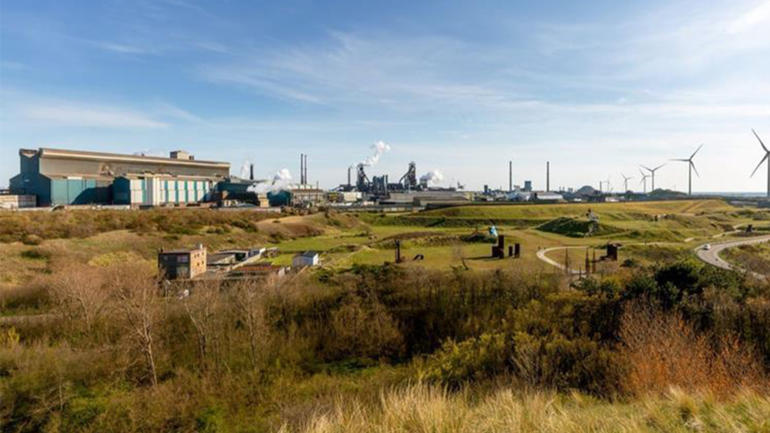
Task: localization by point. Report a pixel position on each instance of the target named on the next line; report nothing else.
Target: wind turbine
(625, 181)
(652, 174)
(764, 158)
(690, 168)
(644, 180)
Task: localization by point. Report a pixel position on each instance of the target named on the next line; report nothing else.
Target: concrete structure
(422, 198)
(307, 258)
(182, 264)
(307, 195)
(12, 201)
(547, 196)
(66, 177)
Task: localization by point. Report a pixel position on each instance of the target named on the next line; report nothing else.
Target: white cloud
(122, 48)
(78, 115)
(751, 19)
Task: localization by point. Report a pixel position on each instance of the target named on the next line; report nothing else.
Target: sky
(596, 88)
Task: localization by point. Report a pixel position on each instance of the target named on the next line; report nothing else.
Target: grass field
(350, 239)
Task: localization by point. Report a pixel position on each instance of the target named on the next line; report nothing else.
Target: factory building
(69, 177)
(159, 190)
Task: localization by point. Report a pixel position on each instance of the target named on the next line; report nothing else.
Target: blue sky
(595, 87)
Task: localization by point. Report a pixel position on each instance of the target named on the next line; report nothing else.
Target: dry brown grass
(421, 409)
(662, 350)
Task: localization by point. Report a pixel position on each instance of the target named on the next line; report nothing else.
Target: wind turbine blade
(677, 159)
(695, 169)
(659, 166)
(642, 173)
(696, 151)
(646, 168)
(760, 140)
(760, 163)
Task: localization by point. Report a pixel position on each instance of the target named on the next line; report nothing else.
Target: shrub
(662, 350)
(476, 358)
(364, 329)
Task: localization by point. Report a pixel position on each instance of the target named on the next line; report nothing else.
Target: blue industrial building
(67, 177)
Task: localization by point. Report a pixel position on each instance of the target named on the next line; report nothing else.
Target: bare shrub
(662, 350)
(80, 294)
(363, 328)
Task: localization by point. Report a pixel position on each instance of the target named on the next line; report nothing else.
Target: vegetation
(430, 409)
(577, 228)
(89, 342)
(32, 227)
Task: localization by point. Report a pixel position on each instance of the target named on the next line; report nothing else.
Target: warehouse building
(69, 177)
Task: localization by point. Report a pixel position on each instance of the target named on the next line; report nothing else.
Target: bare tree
(250, 302)
(140, 305)
(204, 309)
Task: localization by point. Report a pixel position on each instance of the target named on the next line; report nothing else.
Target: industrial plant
(51, 178)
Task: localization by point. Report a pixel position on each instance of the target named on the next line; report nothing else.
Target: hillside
(611, 211)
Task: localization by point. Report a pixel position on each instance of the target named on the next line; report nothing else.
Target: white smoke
(245, 169)
(432, 177)
(379, 148)
(282, 176)
(281, 181)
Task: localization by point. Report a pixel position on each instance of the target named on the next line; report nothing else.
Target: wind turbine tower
(644, 180)
(764, 158)
(690, 168)
(652, 174)
(625, 181)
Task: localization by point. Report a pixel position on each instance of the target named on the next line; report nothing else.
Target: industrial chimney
(547, 176)
(251, 171)
(349, 168)
(510, 176)
(301, 168)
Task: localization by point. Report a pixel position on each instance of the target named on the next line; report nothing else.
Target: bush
(362, 329)
(476, 358)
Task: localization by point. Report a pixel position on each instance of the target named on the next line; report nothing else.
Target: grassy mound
(576, 228)
(612, 211)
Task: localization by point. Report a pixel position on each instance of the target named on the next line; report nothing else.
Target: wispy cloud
(123, 48)
(61, 113)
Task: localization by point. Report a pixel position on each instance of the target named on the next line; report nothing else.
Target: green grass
(610, 211)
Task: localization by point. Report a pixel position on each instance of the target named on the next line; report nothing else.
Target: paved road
(711, 256)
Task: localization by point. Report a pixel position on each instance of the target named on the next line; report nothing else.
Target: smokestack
(251, 171)
(301, 168)
(306, 181)
(349, 168)
(510, 176)
(547, 176)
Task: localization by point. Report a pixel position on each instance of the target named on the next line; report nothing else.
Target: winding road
(711, 256)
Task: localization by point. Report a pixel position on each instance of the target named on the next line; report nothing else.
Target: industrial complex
(50, 178)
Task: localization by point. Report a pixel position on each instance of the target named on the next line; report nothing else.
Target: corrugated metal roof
(78, 154)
